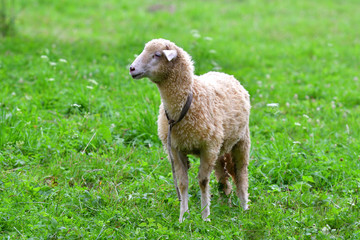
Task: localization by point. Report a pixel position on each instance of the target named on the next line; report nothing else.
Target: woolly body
(216, 127)
(216, 120)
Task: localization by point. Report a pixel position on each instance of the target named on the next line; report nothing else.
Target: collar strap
(172, 122)
(184, 110)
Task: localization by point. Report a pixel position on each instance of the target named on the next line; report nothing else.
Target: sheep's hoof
(207, 219)
(245, 207)
(183, 216)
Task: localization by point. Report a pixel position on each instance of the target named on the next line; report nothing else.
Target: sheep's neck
(174, 92)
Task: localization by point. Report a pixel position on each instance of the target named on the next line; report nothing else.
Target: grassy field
(79, 152)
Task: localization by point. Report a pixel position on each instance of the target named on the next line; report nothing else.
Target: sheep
(215, 128)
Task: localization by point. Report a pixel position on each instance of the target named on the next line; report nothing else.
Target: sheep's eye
(157, 54)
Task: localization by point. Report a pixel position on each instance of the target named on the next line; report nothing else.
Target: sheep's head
(155, 61)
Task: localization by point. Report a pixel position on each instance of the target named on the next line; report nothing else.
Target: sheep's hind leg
(181, 171)
(240, 156)
(206, 166)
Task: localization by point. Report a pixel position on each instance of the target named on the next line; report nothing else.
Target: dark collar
(184, 110)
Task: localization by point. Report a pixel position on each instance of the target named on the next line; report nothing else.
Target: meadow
(79, 152)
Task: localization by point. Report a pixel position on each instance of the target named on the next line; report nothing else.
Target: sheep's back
(230, 106)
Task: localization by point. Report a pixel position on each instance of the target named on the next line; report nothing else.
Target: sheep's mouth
(137, 76)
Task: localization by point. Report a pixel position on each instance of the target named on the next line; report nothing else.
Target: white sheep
(216, 126)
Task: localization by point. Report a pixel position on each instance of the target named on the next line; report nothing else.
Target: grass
(79, 152)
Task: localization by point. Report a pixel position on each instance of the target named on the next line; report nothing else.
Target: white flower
(195, 33)
(212, 51)
(75, 105)
(51, 79)
(13, 94)
(27, 97)
(62, 60)
(297, 124)
(306, 116)
(272, 105)
(89, 87)
(296, 142)
(208, 38)
(326, 229)
(93, 81)
(44, 57)
(333, 105)
(52, 63)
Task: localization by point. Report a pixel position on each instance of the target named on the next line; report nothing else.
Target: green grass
(65, 88)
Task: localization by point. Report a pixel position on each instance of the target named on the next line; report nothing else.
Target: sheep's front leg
(206, 166)
(181, 171)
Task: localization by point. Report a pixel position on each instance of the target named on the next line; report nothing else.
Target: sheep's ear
(170, 54)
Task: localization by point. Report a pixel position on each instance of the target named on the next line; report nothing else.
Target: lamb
(215, 128)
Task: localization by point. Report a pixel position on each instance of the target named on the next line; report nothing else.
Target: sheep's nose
(132, 69)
